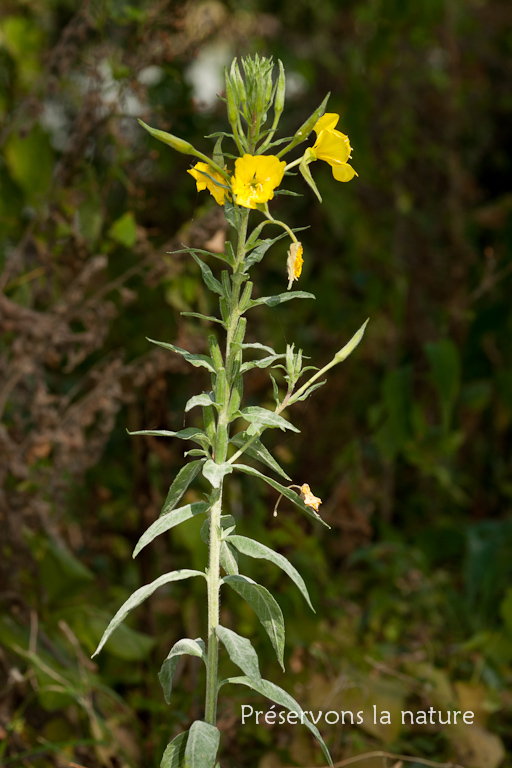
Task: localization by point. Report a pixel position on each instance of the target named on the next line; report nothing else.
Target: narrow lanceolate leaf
(203, 399)
(227, 523)
(306, 173)
(190, 433)
(241, 651)
(273, 301)
(210, 281)
(259, 551)
(265, 607)
(277, 694)
(257, 345)
(186, 646)
(258, 451)
(310, 390)
(265, 362)
(202, 745)
(352, 344)
(214, 473)
(287, 492)
(260, 249)
(199, 361)
(210, 318)
(174, 754)
(265, 418)
(139, 596)
(169, 521)
(180, 484)
(229, 559)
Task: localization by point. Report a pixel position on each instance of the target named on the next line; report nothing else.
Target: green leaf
(257, 345)
(190, 433)
(216, 255)
(202, 745)
(229, 559)
(210, 281)
(226, 522)
(139, 596)
(306, 173)
(198, 361)
(287, 492)
(275, 693)
(169, 521)
(259, 551)
(232, 214)
(259, 250)
(205, 399)
(275, 389)
(214, 473)
(265, 607)
(174, 754)
(228, 554)
(203, 317)
(124, 230)
(241, 651)
(273, 301)
(258, 451)
(265, 418)
(352, 344)
(185, 646)
(310, 390)
(264, 362)
(180, 484)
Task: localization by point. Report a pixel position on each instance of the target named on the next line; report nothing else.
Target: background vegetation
(408, 444)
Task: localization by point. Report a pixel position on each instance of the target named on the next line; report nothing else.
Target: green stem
(293, 164)
(214, 580)
(221, 446)
(280, 224)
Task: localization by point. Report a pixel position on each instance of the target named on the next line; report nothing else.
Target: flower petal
(333, 147)
(256, 177)
(343, 172)
(204, 182)
(327, 122)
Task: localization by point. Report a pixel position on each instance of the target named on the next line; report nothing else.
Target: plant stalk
(221, 446)
(212, 660)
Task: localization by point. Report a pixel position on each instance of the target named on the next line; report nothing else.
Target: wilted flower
(294, 262)
(308, 498)
(209, 182)
(256, 177)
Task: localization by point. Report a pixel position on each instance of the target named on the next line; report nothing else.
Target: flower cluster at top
(257, 174)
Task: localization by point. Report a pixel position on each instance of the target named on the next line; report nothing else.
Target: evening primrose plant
(244, 184)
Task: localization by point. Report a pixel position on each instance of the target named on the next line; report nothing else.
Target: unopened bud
(173, 141)
(231, 101)
(280, 92)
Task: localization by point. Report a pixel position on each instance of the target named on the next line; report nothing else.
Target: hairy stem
(212, 660)
(221, 447)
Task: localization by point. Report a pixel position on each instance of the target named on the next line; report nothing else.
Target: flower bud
(231, 101)
(280, 93)
(173, 141)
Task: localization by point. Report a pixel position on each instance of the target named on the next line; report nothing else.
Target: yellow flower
(308, 498)
(256, 177)
(333, 147)
(294, 262)
(203, 182)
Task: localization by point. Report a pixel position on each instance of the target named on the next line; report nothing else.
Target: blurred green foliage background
(408, 444)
